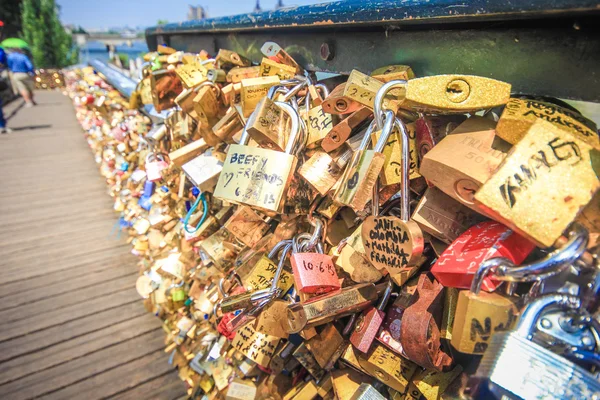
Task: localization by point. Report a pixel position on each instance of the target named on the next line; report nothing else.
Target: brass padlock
(247, 226)
(191, 74)
(166, 86)
(268, 124)
(520, 114)
(204, 170)
(549, 168)
(361, 173)
(479, 315)
(461, 162)
(337, 103)
(338, 135)
(270, 67)
(259, 177)
(443, 94)
(321, 172)
(253, 90)
(276, 53)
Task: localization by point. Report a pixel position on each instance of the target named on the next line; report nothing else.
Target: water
(97, 50)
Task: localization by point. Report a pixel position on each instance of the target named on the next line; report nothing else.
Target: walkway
(72, 324)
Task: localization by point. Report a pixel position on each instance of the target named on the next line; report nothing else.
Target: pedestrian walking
(21, 68)
(3, 128)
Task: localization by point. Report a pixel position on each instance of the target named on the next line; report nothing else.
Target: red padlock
(458, 264)
(314, 273)
(155, 164)
(369, 322)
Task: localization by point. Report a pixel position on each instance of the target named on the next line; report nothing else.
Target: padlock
(393, 72)
(553, 377)
(229, 125)
(362, 171)
(321, 172)
(395, 244)
(314, 272)
(368, 323)
(362, 88)
(420, 330)
(259, 177)
(337, 103)
(247, 226)
(443, 217)
(431, 129)
(520, 114)
(268, 124)
(204, 170)
(253, 90)
(318, 124)
(191, 75)
(155, 164)
(392, 169)
(445, 94)
(322, 309)
(338, 135)
(227, 58)
(366, 392)
(387, 367)
(549, 168)
(479, 316)
(461, 162)
(457, 265)
(270, 67)
(276, 53)
(166, 86)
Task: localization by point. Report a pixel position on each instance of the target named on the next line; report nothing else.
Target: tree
(50, 44)
(162, 22)
(10, 14)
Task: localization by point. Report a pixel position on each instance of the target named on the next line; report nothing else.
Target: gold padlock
(267, 125)
(259, 177)
(520, 114)
(191, 74)
(269, 67)
(321, 172)
(361, 173)
(461, 162)
(480, 314)
(546, 180)
(443, 94)
(253, 90)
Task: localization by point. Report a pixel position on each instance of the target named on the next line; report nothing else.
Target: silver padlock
(513, 365)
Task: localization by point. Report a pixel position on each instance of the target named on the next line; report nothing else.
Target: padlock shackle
(295, 129)
(277, 275)
(404, 184)
(554, 263)
(385, 297)
(211, 84)
(294, 90)
(485, 268)
(380, 95)
(534, 310)
(278, 247)
(273, 90)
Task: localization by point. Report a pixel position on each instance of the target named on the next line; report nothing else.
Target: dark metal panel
(360, 12)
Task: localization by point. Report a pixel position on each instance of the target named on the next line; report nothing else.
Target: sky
(133, 13)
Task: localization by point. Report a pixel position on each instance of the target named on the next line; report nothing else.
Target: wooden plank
(78, 347)
(155, 387)
(72, 322)
(83, 369)
(34, 342)
(40, 308)
(118, 379)
(47, 291)
(66, 314)
(81, 270)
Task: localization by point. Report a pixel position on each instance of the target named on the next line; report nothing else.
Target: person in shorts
(21, 68)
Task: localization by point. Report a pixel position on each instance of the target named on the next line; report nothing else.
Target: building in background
(196, 12)
(279, 4)
(257, 8)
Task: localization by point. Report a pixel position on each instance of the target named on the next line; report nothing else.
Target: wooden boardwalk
(72, 324)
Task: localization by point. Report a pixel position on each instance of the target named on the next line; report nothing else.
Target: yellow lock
(321, 172)
(267, 125)
(543, 184)
(520, 114)
(445, 94)
(479, 315)
(191, 75)
(253, 90)
(392, 169)
(269, 67)
(259, 177)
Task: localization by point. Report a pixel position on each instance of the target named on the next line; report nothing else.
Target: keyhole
(341, 105)
(458, 91)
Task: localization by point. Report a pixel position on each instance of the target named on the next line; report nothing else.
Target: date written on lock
(255, 177)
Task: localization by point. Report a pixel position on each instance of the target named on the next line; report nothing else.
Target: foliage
(124, 58)
(10, 14)
(50, 44)
(162, 22)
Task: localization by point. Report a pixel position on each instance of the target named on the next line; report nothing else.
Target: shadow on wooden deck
(72, 325)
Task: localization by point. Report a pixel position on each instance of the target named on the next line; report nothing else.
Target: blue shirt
(2, 57)
(19, 62)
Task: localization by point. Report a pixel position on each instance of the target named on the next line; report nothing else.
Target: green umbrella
(14, 43)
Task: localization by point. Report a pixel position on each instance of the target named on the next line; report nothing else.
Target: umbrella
(14, 43)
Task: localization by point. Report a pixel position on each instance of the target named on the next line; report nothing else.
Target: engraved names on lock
(191, 74)
(520, 114)
(254, 176)
(544, 183)
(389, 368)
(319, 124)
(390, 243)
(261, 276)
(257, 346)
